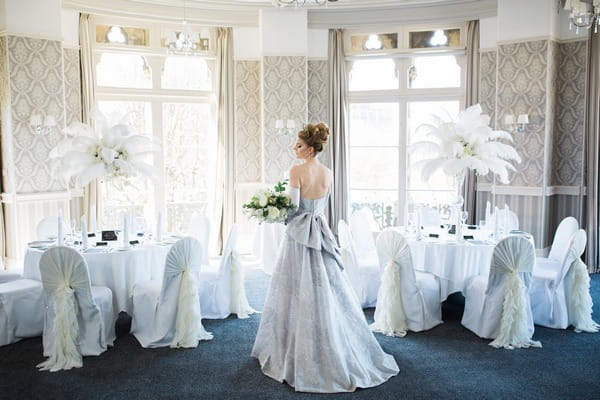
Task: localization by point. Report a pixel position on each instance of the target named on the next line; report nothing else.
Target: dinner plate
(40, 244)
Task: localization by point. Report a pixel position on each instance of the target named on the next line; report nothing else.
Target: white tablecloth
(267, 241)
(118, 270)
(452, 262)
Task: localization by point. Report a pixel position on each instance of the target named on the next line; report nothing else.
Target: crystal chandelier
(182, 42)
(584, 14)
(300, 3)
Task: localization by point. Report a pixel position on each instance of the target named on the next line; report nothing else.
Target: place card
(91, 234)
(471, 227)
(434, 235)
(101, 244)
(109, 235)
(468, 237)
(134, 242)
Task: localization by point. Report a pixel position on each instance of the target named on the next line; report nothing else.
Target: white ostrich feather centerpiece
(109, 149)
(467, 143)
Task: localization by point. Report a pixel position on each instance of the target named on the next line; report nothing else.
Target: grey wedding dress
(313, 333)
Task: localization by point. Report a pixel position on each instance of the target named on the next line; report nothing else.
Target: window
(172, 100)
(390, 97)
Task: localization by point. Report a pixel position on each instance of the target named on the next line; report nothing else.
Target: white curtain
(224, 200)
(338, 112)
(592, 154)
(91, 193)
(472, 97)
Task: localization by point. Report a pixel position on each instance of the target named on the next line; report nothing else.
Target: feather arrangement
(467, 143)
(110, 149)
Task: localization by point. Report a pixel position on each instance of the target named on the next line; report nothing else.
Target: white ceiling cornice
(344, 13)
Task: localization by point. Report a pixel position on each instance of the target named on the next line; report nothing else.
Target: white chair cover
(562, 237)
(360, 226)
(7, 276)
(47, 227)
(222, 285)
(199, 228)
(406, 301)
(498, 307)
(577, 289)
(364, 278)
(168, 313)
(548, 298)
(21, 310)
(79, 318)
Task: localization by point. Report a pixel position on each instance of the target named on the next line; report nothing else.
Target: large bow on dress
(311, 230)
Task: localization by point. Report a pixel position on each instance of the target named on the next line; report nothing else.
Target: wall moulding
(532, 190)
(12, 198)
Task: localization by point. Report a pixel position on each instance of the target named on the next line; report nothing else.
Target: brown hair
(315, 136)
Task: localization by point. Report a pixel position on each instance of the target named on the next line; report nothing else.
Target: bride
(313, 333)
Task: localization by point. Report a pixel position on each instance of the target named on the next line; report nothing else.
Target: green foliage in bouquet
(270, 205)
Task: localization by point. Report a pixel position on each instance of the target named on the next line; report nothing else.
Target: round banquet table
(118, 270)
(267, 240)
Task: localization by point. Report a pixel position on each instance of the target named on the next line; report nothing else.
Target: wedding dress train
(313, 333)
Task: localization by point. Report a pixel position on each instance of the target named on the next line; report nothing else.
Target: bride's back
(314, 180)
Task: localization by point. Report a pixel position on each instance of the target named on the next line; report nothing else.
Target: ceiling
(342, 13)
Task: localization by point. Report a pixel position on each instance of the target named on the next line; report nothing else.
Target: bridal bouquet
(468, 143)
(271, 205)
(108, 150)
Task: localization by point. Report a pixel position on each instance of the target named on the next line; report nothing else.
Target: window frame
(157, 96)
(403, 95)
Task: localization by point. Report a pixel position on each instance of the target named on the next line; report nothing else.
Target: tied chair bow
(407, 300)
(514, 256)
(169, 314)
(497, 306)
(577, 288)
(79, 318)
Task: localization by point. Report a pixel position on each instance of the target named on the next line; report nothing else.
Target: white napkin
(488, 212)
(93, 219)
(125, 230)
(84, 236)
(158, 236)
(59, 231)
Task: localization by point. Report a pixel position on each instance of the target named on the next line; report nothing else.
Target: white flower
(263, 199)
(468, 143)
(273, 213)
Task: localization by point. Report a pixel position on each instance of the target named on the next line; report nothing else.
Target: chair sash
(398, 284)
(514, 257)
(67, 284)
(239, 301)
(182, 263)
(577, 288)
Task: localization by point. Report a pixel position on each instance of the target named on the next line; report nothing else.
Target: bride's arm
(294, 187)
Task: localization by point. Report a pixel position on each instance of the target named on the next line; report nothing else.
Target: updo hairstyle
(315, 136)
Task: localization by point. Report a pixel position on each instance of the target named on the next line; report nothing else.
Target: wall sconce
(288, 129)
(516, 125)
(42, 125)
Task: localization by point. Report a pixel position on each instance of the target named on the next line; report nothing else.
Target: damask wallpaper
(4, 109)
(487, 90)
(522, 87)
(284, 97)
(72, 86)
(36, 87)
(567, 150)
(317, 97)
(248, 121)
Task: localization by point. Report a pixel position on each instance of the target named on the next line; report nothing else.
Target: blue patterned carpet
(446, 362)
